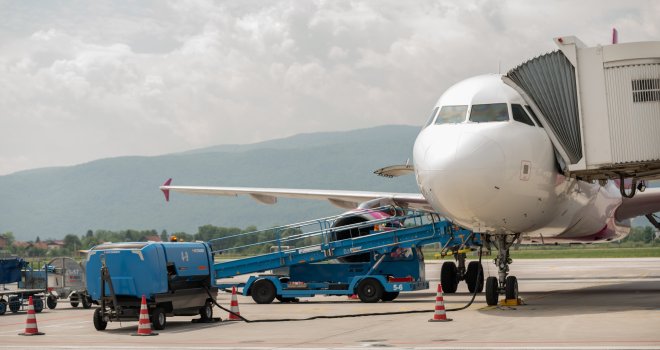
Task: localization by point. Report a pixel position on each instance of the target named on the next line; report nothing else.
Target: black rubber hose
(474, 294)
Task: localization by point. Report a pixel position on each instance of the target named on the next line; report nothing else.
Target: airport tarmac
(570, 303)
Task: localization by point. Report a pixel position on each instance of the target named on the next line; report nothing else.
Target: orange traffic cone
(144, 325)
(31, 322)
(233, 315)
(440, 314)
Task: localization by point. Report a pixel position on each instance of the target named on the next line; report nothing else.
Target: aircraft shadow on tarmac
(602, 299)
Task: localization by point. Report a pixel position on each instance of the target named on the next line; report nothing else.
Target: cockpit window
(531, 112)
(519, 115)
(428, 122)
(452, 114)
(492, 112)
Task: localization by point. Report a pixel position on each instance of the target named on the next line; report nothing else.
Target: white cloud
(86, 81)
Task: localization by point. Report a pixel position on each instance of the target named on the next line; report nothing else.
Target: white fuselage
(501, 177)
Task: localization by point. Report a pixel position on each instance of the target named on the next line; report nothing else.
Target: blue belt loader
(175, 278)
(367, 253)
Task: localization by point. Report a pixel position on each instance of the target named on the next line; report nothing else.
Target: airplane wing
(339, 198)
(643, 203)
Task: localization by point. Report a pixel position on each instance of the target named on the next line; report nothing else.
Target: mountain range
(122, 193)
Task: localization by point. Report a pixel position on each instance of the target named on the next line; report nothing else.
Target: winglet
(166, 191)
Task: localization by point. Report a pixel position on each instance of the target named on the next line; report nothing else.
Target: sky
(84, 80)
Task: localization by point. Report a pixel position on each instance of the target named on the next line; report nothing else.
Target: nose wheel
(505, 285)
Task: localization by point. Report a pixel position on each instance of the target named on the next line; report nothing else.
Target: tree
(72, 243)
(644, 234)
(9, 237)
(164, 236)
(89, 233)
(37, 240)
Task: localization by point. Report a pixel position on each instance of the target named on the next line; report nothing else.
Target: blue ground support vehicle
(366, 253)
(175, 278)
(31, 282)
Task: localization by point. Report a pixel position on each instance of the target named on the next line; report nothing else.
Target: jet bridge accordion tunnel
(600, 107)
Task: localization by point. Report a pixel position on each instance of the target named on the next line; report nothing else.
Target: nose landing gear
(507, 285)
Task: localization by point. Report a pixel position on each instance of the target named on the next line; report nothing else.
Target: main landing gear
(451, 275)
(507, 285)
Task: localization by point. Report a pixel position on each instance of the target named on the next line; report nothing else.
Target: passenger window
(493, 112)
(428, 122)
(531, 112)
(452, 114)
(519, 115)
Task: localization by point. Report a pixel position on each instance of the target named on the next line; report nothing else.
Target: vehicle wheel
(449, 277)
(206, 311)
(491, 291)
(474, 277)
(99, 323)
(86, 303)
(74, 298)
(511, 287)
(263, 291)
(3, 306)
(369, 290)
(38, 304)
(389, 296)
(14, 304)
(282, 299)
(51, 301)
(158, 319)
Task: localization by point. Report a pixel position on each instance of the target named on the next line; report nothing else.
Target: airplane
(484, 161)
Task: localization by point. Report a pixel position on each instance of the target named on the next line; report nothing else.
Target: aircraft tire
(491, 291)
(511, 287)
(474, 277)
(449, 277)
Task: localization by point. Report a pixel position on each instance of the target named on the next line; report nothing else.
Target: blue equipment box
(149, 268)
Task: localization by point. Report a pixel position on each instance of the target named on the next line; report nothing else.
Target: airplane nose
(463, 171)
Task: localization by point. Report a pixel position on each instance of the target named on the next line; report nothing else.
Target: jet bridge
(600, 106)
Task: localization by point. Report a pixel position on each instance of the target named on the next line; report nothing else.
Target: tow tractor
(376, 258)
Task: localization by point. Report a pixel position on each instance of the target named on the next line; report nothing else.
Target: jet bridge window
(452, 114)
(492, 112)
(519, 115)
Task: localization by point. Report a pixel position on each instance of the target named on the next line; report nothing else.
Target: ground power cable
(474, 294)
